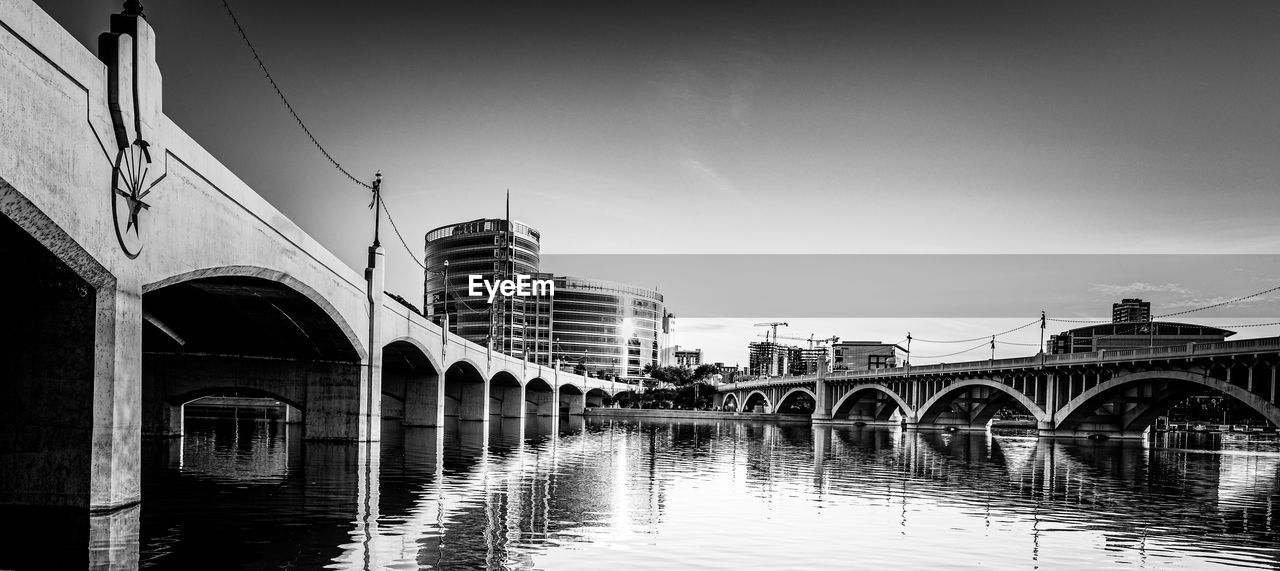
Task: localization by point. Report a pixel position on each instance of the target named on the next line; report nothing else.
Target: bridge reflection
(501, 493)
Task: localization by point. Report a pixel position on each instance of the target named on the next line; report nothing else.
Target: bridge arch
(750, 401)
(247, 328)
(731, 400)
(506, 395)
(197, 394)
(572, 399)
(539, 397)
(466, 391)
(596, 397)
(854, 398)
(411, 386)
(935, 407)
(247, 276)
(1077, 411)
(795, 396)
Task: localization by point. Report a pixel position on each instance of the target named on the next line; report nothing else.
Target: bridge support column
(70, 357)
(821, 395)
(1046, 427)
(160, 419)
(424, 402)
(370, 421)
(573, 403)
(473, 401)
(509, 400)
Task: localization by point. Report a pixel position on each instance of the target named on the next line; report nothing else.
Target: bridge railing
(1104, 356)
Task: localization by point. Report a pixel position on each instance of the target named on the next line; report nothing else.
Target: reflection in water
(568, 493)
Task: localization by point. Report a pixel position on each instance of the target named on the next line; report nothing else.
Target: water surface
(716, 494)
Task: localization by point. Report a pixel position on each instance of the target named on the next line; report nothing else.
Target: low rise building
(863, 355)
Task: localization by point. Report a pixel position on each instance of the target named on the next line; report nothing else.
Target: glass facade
(609, 328)
(494, 250)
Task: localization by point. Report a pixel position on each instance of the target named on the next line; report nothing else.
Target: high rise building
(606, 328)
(772, 359)
(1130, 311)
(609, 328)
(493, 249)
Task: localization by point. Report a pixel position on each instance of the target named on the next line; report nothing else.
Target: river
(611, 494)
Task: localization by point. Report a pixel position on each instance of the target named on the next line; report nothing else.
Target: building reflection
(499, 493)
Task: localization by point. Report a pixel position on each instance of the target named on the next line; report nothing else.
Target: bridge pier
(161, 419)
(572, 401)
(540, 400)
(69, 428)
(506, 399)
(821, 397)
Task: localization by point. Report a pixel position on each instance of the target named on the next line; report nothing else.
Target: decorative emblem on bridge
(134, 101)
(129, 186)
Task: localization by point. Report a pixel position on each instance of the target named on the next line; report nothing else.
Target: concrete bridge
(142, 274)
(1112, 393)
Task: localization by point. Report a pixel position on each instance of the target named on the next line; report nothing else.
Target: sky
(749, 128)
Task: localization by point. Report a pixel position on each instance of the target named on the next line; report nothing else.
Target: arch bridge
(1106, 393)
(142, 274)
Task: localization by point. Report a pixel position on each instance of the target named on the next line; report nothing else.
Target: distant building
(772, 359)
(688, 358)
(812, 359)
(727, 373)
(1130, 311)
(863, 355)
(1133, 335)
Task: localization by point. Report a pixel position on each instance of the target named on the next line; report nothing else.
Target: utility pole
(1042, 324)
(993, 347)
(375, 279)
(908, 349)
(444, 331)
(376, 205)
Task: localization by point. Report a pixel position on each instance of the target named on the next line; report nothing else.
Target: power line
(1019, 344)
(974, 348)
(1020, 327)
(1219, 304)
(412, 255)
(258, 58)
(279, 92)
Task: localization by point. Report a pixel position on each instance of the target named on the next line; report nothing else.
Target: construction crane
(829, 340)
(773, 325)
(812, 342)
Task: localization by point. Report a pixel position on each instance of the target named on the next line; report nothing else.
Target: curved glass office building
(608, 327)
(494, 250)
(611, 329)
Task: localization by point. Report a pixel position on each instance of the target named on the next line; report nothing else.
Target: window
(877, 361)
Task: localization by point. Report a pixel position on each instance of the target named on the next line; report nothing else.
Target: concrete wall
(57, 161)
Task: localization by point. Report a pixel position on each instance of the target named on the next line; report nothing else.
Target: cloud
(708, 175)
(1140, 287)
(699, 327)
(1206, 301)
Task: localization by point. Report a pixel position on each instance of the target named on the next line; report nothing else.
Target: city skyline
(215, 359)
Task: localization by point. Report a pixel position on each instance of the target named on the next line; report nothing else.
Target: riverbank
(660, 413)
